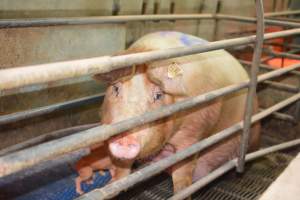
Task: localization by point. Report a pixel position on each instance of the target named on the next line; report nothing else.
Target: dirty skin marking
(189, 40)
(185, 39)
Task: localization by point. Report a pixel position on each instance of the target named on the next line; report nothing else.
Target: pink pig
(169, 81)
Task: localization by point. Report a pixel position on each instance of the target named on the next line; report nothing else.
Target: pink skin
(156, 138)
(148, 90)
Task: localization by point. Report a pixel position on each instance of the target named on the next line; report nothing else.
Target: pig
(159, 83)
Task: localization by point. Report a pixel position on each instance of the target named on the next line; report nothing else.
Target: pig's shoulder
(167, 39)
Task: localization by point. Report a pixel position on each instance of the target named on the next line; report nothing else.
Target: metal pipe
(281, 86)
(14, 117)
(46, 137)
(49, 150)
(5, 119)
(267, 67)
(30, 75)
(14, 23)
(253, 20)
(288, 12)
(230, 165)
(115, 187)
(42, 22)
(42, 86)
(284, 55)
(282, 116)
(260, 28)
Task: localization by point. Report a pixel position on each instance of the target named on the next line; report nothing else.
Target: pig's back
(217, 68)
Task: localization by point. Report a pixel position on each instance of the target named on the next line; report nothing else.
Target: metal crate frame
(38, 75)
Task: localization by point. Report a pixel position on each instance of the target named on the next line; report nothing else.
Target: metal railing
(10, 79)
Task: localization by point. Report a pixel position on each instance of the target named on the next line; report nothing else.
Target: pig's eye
(158, 96)
(116, 89)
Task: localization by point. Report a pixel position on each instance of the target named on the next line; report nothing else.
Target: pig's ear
(114, 75)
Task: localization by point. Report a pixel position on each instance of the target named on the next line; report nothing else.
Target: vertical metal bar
(253, 83)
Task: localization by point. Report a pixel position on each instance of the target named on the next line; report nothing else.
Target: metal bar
(253, 20)
(14, 117)
(282, 116)
(297, 109)
(115, 187)
(291, 45)
(267, 67)
(230, 165)
(14, 23)
(281, 86)
(39, 87)
(46, 137)
(284, 55)
(42, 22)
(49, 150)
(296, 20)
(283, 13)
(260, 28)
(30, 75)
(10, 118)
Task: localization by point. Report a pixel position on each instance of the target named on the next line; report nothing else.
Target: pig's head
(126, 98)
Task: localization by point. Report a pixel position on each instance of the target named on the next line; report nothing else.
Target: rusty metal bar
(46, 137)
(267, 67)
(42, 22)
(28, 157)
(230, 165)
(260, 27)
(14, 117)
(283, 13)
(115, 187)
(36, 74)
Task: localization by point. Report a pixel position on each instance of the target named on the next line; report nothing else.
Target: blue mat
(64, 189)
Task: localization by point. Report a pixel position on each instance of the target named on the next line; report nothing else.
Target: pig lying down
(165, 82)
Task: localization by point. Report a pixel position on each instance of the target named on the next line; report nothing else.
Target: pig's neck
(167, 150)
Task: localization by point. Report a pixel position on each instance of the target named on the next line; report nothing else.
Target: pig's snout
(125, 147)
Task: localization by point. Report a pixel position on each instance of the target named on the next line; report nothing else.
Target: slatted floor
(258, 176)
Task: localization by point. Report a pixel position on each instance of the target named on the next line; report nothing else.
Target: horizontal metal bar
(290, 45)
(282, 116)
(114, 188)
(14, 117)
(41, 22)
(296, 20)
(284, 55)
(35, 88)
(230, 165)
(267, 67)
(282, 13)
(30, 75)
(31, 156)
(14, 23)
(281, 86)
(46, 137)
(253, 20)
